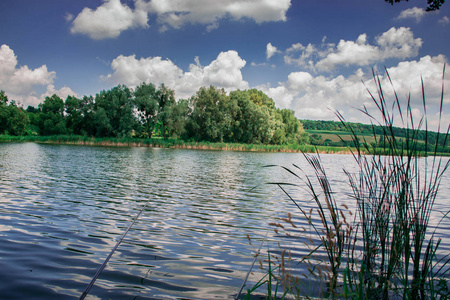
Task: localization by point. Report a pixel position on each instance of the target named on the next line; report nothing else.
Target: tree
(166, 101)
(147, 105)
(3, 98)
(114, 113)
(73, 115)
(252, 120)
(87, 109)
(176, 126)
(432, 4)
(295, 134)
(51, 117)
(13, 119)
(211, 116)
(261, 99)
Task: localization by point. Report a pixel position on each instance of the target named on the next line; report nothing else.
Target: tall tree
(211, 115)
(166, 101)
(13, 119)
(73, 115)
(51, 116)
(147, 105)
(116, 106)
(176, 127)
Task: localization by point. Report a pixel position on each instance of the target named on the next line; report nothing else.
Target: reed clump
(385, 247)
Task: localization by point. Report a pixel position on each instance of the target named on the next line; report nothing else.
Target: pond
(63, 208)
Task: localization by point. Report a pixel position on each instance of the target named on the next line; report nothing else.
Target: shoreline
(180, 144)
(173, 144)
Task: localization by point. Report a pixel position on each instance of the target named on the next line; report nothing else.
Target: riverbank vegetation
(211, 119)
(379, 240)
(247, 117)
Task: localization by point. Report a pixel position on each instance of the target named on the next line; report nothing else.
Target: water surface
(63, 208)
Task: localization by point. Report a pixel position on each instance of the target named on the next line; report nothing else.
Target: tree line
(432, 138)
(242, 116)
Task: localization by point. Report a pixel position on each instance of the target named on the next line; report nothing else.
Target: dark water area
(63, 208)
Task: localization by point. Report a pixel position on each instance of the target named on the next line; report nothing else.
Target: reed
(388, 248)
(168, 143)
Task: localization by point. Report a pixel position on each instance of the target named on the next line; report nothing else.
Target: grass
(387, 249)
(169, 143)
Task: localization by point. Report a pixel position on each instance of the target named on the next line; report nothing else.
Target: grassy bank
(170, 143)
(180, 144)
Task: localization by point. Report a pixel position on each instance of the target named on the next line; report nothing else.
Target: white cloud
(108, 20)
(19, 83)
(398, 43)
(350, 53)
(271, 50)
(62, 92)
(444, 20)
(68, 17)
(318, 97)
(223, 72)
(112, 17)
(407, 76)
(412, 13)
(394, 43)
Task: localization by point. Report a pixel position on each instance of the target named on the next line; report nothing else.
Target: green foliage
(166, 101)
(13, 119)
(3, 98)
(176, 124)
(432, 4)
(114, 112)
(147, 105)
(210, 119)
(51, 117)
(243, 116)
(73, 115)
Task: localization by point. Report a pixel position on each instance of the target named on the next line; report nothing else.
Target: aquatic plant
(390, 248)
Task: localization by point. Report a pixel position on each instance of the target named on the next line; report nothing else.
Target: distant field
(335, 136)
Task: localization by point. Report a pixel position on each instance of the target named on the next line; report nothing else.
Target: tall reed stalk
(389, 249)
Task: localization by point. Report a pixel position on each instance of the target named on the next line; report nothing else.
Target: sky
(314, 57)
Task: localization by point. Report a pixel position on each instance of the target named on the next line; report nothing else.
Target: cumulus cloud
(407, 77)
(394, 43)
(113, 17)
(412, 13)
(175, 13)
(19, 82)
(318, 97)
(271, 50)
(223, 72)
(108, 20)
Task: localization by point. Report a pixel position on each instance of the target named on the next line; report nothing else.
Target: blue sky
(309, 56)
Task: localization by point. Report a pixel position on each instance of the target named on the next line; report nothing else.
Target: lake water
(63, 208)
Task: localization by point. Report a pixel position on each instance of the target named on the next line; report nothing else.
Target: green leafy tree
(252, 120)
(258, 97)
(114, 112)
(87, 110)
(3, 98)
(13, 119)
(176, 126)
(73, 115)
(295, 134)
(51, 116)
(147, 105)
(211, 116)
(166, 101)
